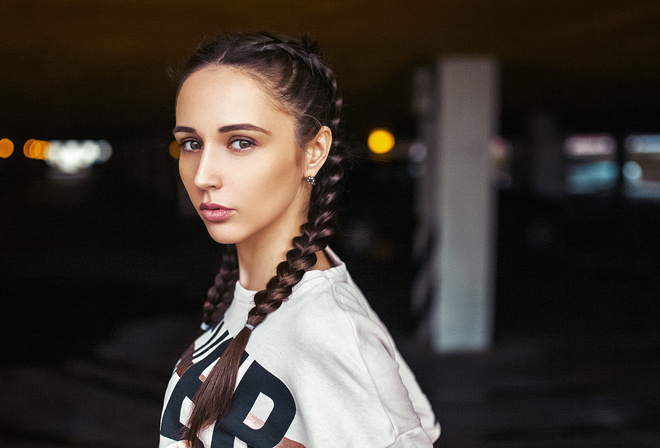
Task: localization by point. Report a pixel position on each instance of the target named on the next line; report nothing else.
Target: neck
(261, 252)
(257, 263)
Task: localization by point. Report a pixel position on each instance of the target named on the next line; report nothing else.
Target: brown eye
(190, 145)
(241, 145)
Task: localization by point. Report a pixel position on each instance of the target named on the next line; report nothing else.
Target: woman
(291, 354)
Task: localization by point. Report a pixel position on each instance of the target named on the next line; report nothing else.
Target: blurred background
(104, 266)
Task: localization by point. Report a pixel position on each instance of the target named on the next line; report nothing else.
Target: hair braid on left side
(221, 294)
(218, 299)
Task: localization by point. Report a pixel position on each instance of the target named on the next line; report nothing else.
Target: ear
(317, 150)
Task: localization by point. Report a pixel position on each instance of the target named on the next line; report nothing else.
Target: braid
(221, 294)
(218, 299)
(306, 87)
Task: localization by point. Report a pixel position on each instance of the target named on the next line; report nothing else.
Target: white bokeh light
(71, 156)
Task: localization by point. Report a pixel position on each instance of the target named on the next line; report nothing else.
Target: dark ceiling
(82, 68)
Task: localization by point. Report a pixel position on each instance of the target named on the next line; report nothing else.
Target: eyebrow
(187, 129)
(243, 127)
(224, 129)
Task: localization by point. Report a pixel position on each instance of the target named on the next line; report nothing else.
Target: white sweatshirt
(321, 371)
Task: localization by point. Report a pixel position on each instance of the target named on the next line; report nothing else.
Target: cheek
(285, 177)
(272, 187)
(275, 172)
(187, 171)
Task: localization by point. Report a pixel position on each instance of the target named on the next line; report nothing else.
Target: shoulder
(331, 288)
(329, 293)
(328, 312)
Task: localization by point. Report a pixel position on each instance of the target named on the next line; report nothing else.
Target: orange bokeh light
(36, 149)
(380, 141)
(26, 148)
(175, 150)
(6, 148)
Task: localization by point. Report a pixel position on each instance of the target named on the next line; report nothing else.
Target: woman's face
(239, 162)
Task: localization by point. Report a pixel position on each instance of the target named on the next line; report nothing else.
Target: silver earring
(311, 180)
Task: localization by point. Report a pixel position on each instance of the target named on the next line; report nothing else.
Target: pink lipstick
(215, 212)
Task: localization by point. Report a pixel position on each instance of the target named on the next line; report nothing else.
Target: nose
(209, 170)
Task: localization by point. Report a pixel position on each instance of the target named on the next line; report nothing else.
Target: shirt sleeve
(348, 385)
(419, 400)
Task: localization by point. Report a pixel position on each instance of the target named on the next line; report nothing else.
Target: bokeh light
(590, 145)
(632, 171)
(380, 141)
(71, 157)
(643, 144)
(26, 148)
(36, 149)
(106, 151)
(40, 150)
(175, 150)
(417, 151)
(6, 148)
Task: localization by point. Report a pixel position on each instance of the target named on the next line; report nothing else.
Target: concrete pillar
(466, 119)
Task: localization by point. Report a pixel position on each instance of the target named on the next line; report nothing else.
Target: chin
(222, 236)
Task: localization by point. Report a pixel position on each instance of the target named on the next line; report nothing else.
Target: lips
(215, 212)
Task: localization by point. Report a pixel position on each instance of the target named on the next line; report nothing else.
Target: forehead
(226, 94)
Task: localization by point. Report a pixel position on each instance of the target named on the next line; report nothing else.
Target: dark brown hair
(294, 73)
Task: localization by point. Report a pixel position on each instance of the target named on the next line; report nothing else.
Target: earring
(311, 180)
